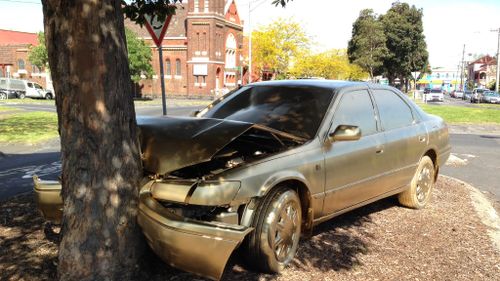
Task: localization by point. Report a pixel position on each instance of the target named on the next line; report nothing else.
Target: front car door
(405, 137)
(352, 168)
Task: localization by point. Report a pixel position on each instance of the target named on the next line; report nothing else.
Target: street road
(146, 110)
(475, 159)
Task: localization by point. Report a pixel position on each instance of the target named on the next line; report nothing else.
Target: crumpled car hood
(172, 143)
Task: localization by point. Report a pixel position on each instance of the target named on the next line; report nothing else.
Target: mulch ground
(382, 241)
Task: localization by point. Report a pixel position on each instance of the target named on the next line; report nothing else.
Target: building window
(178, 67)
(206, 6)
(196, 6)
(35, 69)
(20, 64)
(168, 67)
(200, 80)
(230, 51)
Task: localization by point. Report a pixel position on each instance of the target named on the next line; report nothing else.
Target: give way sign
(157, 28)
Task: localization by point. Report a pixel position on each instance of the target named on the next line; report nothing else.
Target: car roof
(320, 83)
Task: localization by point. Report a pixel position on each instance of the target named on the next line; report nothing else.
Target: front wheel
(48, 96)
(274, 242)
(3, 96)
(419, 193)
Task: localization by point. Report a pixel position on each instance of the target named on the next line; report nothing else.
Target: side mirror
(345, 133)
(195, 113)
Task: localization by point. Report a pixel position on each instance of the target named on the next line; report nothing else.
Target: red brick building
(202, 49)
(14, 47)
(482, 71)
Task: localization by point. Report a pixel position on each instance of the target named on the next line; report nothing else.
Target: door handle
(380, 149)
(422, 138)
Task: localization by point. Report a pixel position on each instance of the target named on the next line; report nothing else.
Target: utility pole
(498, 59)
(249, 43)
(463, 70)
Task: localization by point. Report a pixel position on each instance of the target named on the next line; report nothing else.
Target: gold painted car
(265, 163)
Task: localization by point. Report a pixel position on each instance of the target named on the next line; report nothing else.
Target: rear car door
(352, 168)
(405, 136)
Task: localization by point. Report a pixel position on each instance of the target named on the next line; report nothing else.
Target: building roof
(485, 60)
(12, 37)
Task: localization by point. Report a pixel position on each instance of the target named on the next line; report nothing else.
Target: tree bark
(101, 165)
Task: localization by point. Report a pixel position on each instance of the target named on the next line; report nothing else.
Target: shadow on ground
(26, 251)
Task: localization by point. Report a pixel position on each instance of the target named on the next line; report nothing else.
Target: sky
(448, 24)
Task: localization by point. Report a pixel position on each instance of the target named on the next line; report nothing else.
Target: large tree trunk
(99, 150)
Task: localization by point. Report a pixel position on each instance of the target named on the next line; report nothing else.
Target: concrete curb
(484, 210)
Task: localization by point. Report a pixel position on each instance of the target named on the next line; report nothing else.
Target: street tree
(101, 166)
(366, 47)
(407, 49)
(37, 55)
(332, 64)
(139, 57)
(276, 45)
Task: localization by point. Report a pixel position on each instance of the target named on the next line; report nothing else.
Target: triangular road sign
(156, 28)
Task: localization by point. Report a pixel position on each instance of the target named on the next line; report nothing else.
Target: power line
(22, 2)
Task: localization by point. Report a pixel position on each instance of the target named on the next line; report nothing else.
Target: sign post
(157, 29)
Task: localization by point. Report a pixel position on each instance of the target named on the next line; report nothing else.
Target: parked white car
(25, 88)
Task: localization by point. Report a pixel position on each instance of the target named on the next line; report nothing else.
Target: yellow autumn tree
(276, 45)
(332, 64)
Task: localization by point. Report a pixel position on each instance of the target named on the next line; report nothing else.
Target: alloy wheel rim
(424, 183)
(285, 234)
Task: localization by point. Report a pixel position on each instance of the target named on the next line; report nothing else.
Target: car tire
(3, 96)
(48, 96)
(22, 96)
(277, 226)
(421, 186)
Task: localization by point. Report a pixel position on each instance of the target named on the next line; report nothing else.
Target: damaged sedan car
(262, 165)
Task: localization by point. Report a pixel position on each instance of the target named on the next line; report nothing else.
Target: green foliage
(367, 45)
(281, 2)
(491, 85)
(406, 44)
(332, 64)
(276, 45)
(135, 10)
(37, 55)
(139, 56)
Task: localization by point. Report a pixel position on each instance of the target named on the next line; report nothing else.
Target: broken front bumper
(48, 199)
(195, 246)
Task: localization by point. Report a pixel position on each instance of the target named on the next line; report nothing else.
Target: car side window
(356, 108)
(38, 87)
(394, 112)
(30, 85)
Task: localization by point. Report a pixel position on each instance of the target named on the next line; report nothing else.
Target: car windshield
(290, 109)
(435, 91)
(490, 94)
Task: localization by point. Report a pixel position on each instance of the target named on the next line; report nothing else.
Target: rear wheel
(419, 193)
(274, 242)
(48, 96)
(22, 95)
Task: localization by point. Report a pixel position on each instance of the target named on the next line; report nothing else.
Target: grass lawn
(468, 115)
(28, 127)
